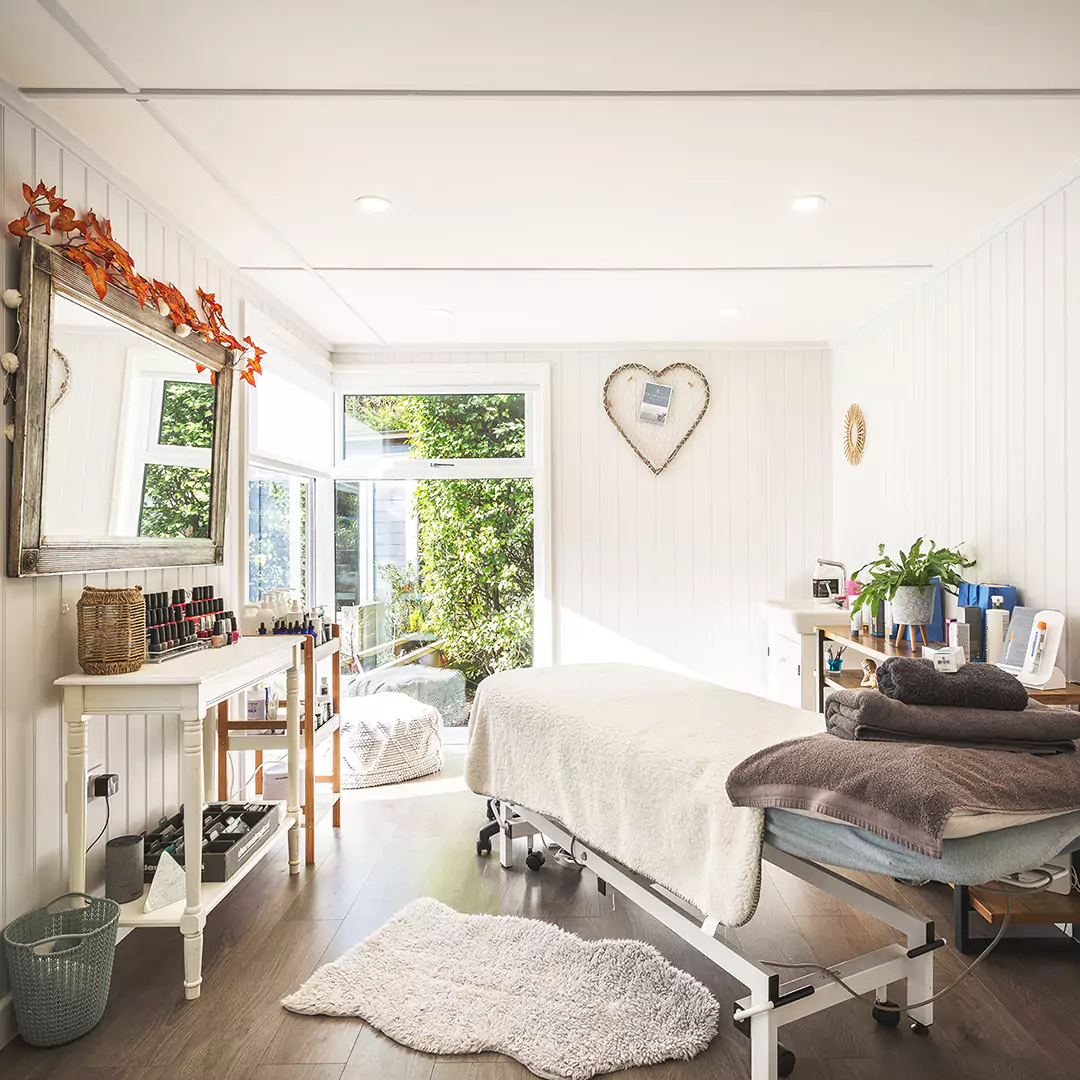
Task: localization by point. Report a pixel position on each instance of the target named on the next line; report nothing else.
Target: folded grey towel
(868, 715)
(974, 686)
(905, 792)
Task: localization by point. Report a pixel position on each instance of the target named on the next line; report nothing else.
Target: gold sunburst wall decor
(854, 434)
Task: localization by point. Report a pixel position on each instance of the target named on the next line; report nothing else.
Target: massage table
(587, 755)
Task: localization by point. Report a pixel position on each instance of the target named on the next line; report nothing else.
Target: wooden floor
(1017, 1017)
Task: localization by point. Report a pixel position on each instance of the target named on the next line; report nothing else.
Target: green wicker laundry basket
(59, 961)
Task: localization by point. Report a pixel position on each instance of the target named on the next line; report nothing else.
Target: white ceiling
(646, 215)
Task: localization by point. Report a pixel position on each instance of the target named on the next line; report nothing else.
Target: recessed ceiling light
(440, 313)
(806, 203)
(373, 204)
(730, 312)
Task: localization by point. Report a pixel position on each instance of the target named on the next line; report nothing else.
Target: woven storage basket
(112, 631)
(59, 961)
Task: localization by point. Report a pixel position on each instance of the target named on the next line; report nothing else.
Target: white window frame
(534, 381)
(146, 372)
(312, 372)
(312, 555)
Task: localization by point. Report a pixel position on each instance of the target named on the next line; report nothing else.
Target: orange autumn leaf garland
(89, 242)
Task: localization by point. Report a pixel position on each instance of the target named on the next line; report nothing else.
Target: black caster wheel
(483, 847)
(920, 1029)
(534, 860)
(490, 811)
(889, 1018)
(785, 1061)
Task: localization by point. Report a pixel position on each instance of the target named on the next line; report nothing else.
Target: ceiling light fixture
(440, 313)
(373, 204)
(807, 203)
(729, 312)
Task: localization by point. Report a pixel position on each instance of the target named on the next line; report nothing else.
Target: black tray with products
(232, 833)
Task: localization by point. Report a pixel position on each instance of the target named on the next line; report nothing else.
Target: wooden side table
(245, 735)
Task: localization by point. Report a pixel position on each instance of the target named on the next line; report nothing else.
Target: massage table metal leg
(764, 1048)
(770, 1004)
(920, 984)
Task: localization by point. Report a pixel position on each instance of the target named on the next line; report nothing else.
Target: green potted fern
(908, 583)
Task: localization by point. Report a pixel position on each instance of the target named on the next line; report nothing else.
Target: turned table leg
(194, 918)
(75, 722)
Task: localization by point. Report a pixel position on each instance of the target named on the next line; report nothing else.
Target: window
(436, 501)
(289, 435)
(176, 495)
(279, 534)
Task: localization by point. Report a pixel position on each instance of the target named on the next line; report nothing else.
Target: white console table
(190, 686)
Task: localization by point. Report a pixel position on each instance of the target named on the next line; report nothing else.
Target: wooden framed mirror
(120, 458)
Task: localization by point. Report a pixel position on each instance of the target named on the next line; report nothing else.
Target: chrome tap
(839, 598)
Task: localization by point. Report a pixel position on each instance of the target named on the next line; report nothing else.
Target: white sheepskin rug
(446, 983)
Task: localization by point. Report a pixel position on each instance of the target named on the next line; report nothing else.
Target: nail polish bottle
(218, 637)
(262, 629)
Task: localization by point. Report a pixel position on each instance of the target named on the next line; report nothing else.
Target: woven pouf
(388, 738)
(442, 687)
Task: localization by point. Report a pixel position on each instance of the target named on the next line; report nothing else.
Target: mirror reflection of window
(129, 434)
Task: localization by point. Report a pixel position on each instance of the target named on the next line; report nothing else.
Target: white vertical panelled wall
(37, 615)
(669, 569)
(971, 390)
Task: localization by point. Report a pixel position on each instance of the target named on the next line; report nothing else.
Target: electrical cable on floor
(108, 811)
(882, 1006)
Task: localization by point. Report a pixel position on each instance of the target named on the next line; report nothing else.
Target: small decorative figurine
(869, 674)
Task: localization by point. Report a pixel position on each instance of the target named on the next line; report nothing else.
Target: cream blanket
(634, 761)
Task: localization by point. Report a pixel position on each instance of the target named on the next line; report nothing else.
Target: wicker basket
(112, 631)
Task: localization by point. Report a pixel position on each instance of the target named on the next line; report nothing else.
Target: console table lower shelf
(190, 687)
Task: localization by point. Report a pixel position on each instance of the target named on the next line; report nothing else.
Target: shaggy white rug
(447, 983)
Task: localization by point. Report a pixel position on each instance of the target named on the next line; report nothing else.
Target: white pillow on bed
(962, 823)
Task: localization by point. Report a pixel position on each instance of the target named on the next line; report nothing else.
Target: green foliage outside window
(176, 498)
(475, 536)
(175, 502)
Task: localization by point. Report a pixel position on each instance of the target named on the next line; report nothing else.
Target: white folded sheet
(634, 761)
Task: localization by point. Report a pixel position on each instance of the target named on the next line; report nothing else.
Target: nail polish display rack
(186, 621)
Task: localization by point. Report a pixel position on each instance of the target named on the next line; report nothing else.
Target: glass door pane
(279, 543)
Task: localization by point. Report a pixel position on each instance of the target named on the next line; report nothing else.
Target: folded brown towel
(905, 792)
(974, 686)
(866, 714)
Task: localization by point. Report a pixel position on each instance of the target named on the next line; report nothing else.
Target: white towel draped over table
(634, 761)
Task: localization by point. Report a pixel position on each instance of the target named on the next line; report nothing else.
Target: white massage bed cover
(634, 761)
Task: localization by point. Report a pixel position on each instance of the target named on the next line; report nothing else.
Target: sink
(801, 616)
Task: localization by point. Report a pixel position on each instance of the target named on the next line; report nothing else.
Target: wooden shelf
(1038, 909)
(882, 648)
(874, 647)
(263, 740)
(213, 892)
(845, 680)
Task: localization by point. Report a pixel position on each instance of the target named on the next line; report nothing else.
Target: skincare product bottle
(1036, 647)
(997, 626)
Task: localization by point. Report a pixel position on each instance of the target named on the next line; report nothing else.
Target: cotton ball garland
(9, 432)
(182, 330)
(9, 362)
(163, 308)
(12, 298)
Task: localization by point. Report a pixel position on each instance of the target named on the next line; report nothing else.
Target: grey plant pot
(913, 605)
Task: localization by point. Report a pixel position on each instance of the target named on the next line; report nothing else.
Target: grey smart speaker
(124, 868)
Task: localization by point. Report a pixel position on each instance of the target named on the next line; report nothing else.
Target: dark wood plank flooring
(1014, 1019)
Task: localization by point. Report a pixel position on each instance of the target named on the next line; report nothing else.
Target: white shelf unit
(213, 892)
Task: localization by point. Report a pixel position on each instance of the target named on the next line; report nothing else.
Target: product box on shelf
(232, 833)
